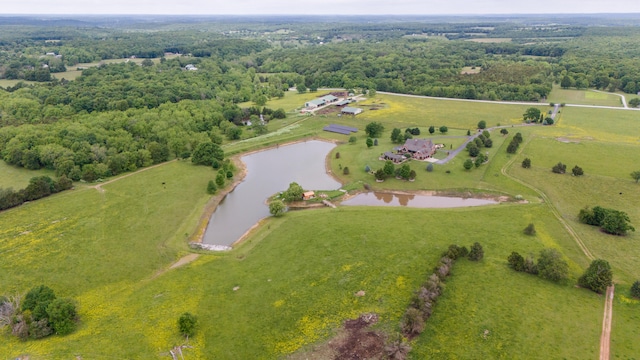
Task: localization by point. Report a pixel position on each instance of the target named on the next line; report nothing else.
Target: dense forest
(122, 116)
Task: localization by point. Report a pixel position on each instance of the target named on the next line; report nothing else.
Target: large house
(327, 99)
(420, 149)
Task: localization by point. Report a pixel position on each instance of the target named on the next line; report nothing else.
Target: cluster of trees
(561, 168)
(225, 172)
(423, 301)
(374, 129)
(550, 265)
(398, 137)
(39, 187)
(610, 221)
(389, 169)
(38, 315)
(481, 141)
(515, 143)
(536, 116)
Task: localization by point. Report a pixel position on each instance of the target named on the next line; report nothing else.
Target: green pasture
(606, 183)
(583, 97)
(18, 177)
(598, 124)
(624, 332)
(406, 111)
(112, 254)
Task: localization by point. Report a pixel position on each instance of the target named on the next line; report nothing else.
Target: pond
(410, 200)
(268, 172)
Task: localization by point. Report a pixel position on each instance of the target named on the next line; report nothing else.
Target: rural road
(605, 338)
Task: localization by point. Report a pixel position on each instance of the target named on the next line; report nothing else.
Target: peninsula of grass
(583, 97)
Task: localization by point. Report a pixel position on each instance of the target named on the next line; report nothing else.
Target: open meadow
(295, 277)
(583, 97)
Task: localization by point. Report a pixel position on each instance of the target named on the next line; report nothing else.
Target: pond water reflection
(411, 200)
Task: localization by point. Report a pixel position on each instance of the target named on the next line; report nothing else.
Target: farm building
(419, 148)
(308, 195)
(327, 99)
(351, 111)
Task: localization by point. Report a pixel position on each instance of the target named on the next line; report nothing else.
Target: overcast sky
(310, 7)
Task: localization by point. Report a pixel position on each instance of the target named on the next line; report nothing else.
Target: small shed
(351, 110)
(308, 195)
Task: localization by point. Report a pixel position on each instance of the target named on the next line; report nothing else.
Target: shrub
(220, 180)
(369, 142)
(559, 168)
(412, 174)
(597, 276)
(211, 187)
(530, 229)
(577, 171)
(62, 316)
(530, 266)
(516, 261)
(380, 174)
(482, 124)
(367, 169)
(635, 289)
(352, 140)
(397, 349)
(526, 163)
(338, 155)
(187, 324)
(552, 266)
(468, 164)
(412, 323)
(345, 170)
(37, 300)
(430, 167)
(476, 253)
(277, 208)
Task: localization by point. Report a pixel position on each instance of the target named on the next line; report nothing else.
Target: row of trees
(39, 187)
(389, 169)
(423, 301)
(515, 143)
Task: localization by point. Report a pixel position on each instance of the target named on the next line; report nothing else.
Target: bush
(338, 155)
(353, 139)
(516, 261)
(482, 124)
(187, 324)
(37, 300)
(412, 323)
(211, 187)
(526, 163)
(62, 316)
(559, 168)
(635, 289)
(530, 266)
(369, 142)
(597, 276)
(552, 266)
(345, 171)
(430, 167)
(530, 229)
(277, 208)
(380, 174)
(468, 164)
(367, 169)
(476, 253)
(577, 171)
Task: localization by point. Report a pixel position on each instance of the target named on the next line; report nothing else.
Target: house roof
(343, 102)
(393, 156)
(415, 145)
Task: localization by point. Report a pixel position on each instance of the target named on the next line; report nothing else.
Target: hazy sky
(310, 7)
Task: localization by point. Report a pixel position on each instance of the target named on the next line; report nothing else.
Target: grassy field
(297, 275)
(17, 177)
(583, 97)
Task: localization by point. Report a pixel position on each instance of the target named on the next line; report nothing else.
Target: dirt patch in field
(353, 341)
(567, 140)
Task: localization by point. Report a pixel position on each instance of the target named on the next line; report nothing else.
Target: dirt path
(181, 262)
(605, 338)
(99, 186)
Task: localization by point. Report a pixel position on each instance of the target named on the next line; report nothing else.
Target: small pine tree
(530, 229)
(345, 171)
(375, 142)
(430, 167)
(476, 253)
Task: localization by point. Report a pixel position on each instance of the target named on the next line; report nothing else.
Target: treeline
(128, 85)
(39, 187)
(430, 68)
